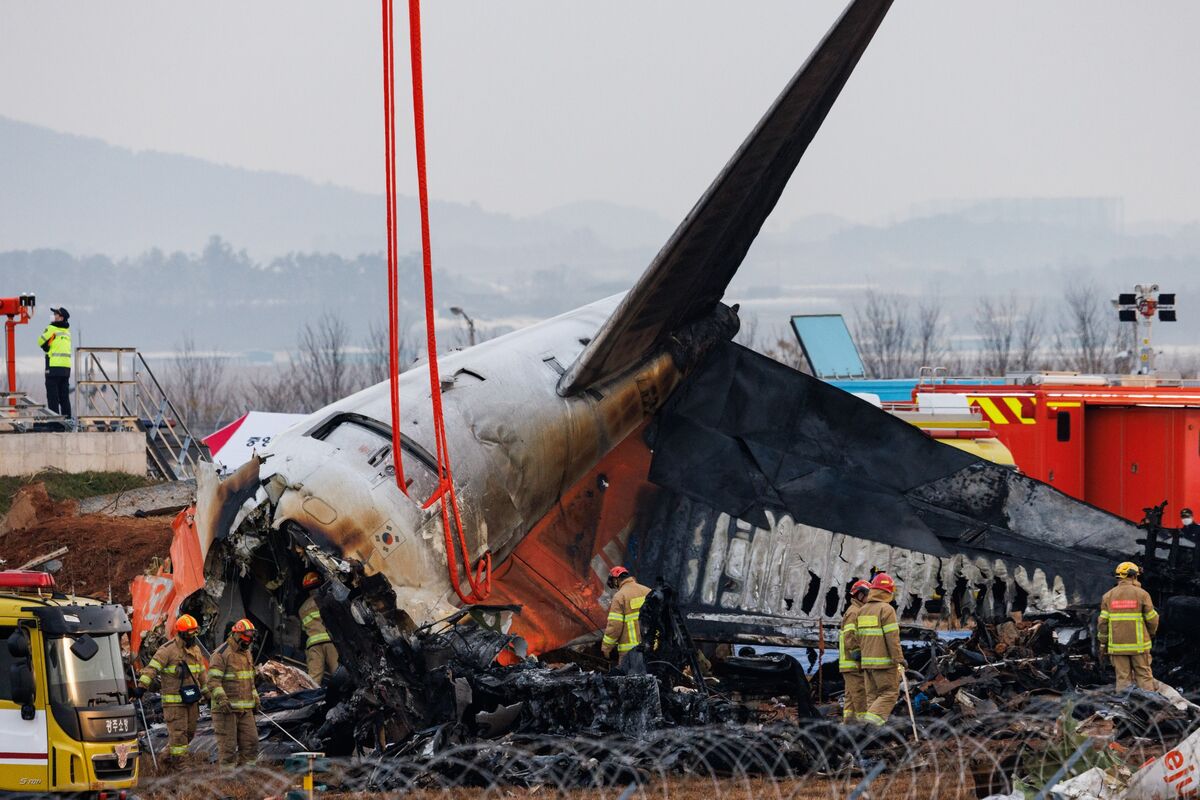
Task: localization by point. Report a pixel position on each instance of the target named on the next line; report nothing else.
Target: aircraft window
(372, 446)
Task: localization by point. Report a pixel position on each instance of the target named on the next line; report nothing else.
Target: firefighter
(854, 702)
(233, 697)
(179, 666)
(624, 614)
(55, 342)
(319, 652)
(1128, 623)
(878, 634)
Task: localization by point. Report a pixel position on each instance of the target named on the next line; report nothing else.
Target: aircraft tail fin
(689, 275)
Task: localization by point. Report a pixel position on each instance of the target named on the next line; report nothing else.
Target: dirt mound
(104, 551)
(32, 505)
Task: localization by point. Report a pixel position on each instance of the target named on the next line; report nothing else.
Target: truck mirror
(18, 645)
(20, 677)
(84, 647)
(53, 567)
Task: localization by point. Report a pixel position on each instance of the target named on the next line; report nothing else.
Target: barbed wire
(955, 757)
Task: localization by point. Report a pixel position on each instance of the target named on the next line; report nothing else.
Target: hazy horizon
(532, 106)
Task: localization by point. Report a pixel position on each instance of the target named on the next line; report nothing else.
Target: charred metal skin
(516, 445)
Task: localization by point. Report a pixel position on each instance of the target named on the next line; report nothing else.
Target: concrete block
(27, 453)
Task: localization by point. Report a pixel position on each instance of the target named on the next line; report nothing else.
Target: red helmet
(860, 586)
(243, 629)
(884, 583)
(617, 572)
(311, 579)
(186, 624)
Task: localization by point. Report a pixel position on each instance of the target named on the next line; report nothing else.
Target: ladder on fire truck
(116, 390)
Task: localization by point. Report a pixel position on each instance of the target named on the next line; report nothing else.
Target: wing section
(689, 275)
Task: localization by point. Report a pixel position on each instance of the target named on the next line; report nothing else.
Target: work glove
(138, 690)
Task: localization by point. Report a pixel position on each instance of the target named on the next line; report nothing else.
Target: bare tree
(321, 367)
(375, 366)
(996, 324)
(1029, 337)
(930, 345)
(272, 389)
(197, 384)
(884, 335)
(781, 345)
(1086, 337)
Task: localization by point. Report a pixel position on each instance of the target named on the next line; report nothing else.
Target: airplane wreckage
(630, 431)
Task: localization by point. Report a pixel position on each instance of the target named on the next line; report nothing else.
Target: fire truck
(67, 722)
(1123, 444)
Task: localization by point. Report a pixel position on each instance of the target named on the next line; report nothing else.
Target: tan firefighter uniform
(624, 629)
(878, 635)
(854, 704)
(1128, 621)
(233, 699)
(176, 666)
(319, 652)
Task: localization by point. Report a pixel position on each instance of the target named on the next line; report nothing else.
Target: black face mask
(242, 645)
(189, 639)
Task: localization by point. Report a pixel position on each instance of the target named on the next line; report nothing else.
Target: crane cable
(480, 577)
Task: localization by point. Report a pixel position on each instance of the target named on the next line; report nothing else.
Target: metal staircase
(115, 389)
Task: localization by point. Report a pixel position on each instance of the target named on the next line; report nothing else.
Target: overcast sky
(535, 103)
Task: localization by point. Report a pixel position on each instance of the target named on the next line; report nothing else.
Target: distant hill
(84, 196)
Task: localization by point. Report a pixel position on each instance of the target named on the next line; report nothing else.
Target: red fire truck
(1123, 448)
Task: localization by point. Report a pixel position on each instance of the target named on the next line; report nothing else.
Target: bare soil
(104, 554)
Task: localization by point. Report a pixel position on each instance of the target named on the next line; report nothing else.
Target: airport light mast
(1140, 307)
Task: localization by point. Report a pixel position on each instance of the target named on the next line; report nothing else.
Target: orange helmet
(310, 580)
(884, 583)
(860, 586)
(186, 624)
(243, 629)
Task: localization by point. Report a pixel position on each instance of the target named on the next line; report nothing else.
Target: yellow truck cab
(66, 719)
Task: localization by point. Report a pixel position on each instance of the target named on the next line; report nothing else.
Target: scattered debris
(146, 501)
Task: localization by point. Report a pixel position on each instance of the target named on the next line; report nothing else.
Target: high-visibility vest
(58, 354)
(624, 627)
(310, 620)
(1127, 619)
(849, 655)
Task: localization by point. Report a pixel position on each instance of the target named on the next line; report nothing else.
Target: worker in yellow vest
(1127, 626)
(854, 701)
(624, 629)
(878, 633)
(319, 652)
(55, 342)
(179, 666)
(233, 698)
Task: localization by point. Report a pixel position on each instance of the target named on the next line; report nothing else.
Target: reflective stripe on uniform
(1142, 645)
(317, 638)
(241, 705)
(155, 664)
(310, 616)
(216, 673)
(172, 698)
(241, 674)
(626, 647)
(608, 640)
(872, 661)
(891, 626)
(874, 719)
(179, 750)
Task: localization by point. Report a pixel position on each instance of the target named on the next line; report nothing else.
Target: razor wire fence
(955, 758)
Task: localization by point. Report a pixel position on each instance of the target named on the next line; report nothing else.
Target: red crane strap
(480, 577)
